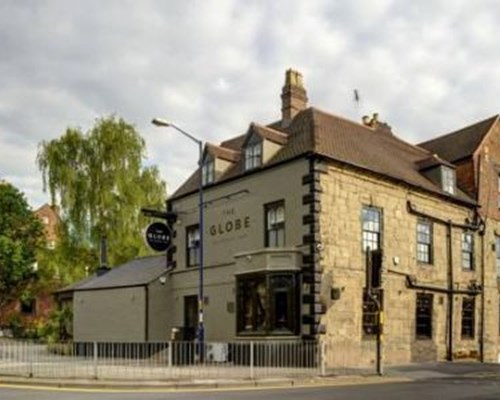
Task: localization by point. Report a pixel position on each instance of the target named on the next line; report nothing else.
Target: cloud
(214, 66)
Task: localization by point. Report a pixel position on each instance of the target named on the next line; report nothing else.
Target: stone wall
(344, 193)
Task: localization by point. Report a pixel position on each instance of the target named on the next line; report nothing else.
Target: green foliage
(58, 328)
(21, 233)
(99, 180)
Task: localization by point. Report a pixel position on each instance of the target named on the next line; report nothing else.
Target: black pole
(380, 327)
(201, 327)
(483, 305)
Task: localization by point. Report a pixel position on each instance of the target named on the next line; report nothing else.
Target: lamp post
(200, 331)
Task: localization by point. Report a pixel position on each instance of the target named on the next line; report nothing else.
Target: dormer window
(448, 179)
(253, 155)
(208, 171)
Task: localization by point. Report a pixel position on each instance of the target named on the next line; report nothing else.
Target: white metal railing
(162, 361)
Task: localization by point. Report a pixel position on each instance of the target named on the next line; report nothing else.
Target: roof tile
(460, 144)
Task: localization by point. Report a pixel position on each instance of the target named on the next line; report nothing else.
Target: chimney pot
(293, 97)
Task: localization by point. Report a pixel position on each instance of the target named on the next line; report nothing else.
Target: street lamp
(200, 331)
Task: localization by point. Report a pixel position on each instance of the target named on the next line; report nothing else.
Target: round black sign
(158, 236)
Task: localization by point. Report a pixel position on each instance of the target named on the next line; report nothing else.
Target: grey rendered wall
(159, 311)
(280, 183)
(110, 315)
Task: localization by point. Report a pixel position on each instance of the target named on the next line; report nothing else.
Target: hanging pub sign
(158, 236)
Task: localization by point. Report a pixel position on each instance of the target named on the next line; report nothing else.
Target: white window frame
(192, 246)
(371, 227)
(275, 224)
(424, 241)
(253, 155)
(467, 251)
(448, 179)
(208, 171)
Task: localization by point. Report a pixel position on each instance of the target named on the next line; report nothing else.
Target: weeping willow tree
(100, 183)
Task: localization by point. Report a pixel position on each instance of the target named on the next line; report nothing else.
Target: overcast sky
(427, 67)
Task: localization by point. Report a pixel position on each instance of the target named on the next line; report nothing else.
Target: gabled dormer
(261, 144)
(440, 172)
(216, 161)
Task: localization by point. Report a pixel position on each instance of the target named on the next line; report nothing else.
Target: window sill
(425, 264)
(273, 333)
(265, 336)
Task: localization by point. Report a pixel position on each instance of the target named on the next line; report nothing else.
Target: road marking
(261, 387)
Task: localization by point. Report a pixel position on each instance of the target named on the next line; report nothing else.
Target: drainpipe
(449, 350)
(449, 225)
(482, 233)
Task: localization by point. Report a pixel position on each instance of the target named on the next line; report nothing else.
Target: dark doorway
(190, 316)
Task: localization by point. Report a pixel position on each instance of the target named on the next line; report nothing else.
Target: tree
(21, 233)
(100, 183)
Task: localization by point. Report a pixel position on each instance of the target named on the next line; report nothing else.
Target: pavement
(393, 374)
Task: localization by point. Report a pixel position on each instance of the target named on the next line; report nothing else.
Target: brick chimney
(293, 97)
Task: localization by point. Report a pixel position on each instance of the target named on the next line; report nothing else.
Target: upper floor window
(275, 224)
(372, 227)
(448, 179)
(424, 241)
(253, 155)
(467, 250)
(208, 172)
(192, 245)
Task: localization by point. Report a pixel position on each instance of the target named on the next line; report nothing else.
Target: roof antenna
(356, 97)
(357, 102)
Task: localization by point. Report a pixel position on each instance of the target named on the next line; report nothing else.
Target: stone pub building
(291, 208)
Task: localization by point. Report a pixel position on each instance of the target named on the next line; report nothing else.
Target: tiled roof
(235, 143)
(75, 285)
(314, 131)
(223, 152)
(270, 134)
(462, 143)
(431, 162)
(140, 271)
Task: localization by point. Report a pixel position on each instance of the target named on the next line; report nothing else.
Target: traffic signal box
(373, 269)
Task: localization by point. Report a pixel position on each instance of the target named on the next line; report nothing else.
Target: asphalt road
(441, 389)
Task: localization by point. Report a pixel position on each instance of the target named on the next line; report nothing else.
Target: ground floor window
(423, 318)
(371, 310)
(267, 304)
(468, 317)
(28, 306)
